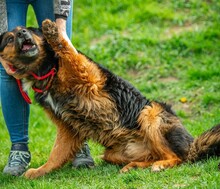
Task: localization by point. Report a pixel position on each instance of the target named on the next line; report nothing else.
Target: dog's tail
(206, 145)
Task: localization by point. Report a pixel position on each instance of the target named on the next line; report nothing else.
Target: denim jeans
(14, 107)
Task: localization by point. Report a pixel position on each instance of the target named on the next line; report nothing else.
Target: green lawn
(168, 49)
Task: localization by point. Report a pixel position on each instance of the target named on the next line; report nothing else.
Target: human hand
(9, 69)
(61, 25)
(6, 64)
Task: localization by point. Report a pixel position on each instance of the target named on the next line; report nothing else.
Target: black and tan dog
(87, 101)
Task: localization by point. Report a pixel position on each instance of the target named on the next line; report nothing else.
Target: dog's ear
(37, 31)
(1, 40)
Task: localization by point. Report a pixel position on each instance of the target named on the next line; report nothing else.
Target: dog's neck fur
(50, 62)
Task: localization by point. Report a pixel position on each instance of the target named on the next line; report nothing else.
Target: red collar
(39, 78)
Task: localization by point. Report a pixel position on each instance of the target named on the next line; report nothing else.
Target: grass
(168, 50)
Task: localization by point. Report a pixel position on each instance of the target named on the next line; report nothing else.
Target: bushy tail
(206, 145)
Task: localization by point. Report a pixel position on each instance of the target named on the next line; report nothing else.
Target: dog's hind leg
(60, 154)
(114, 156)
(155, 121)
(132, 165)
(164, 164)
(156, 165)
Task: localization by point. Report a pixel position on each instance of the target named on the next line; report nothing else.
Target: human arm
(61, 12)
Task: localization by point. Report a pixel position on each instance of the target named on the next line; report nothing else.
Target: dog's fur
(87, 101)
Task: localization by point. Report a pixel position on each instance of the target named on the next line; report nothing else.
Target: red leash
(23, 93)
(39, 78)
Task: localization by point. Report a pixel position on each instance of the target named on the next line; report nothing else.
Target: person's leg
(43, 10)
(69, 23)
(15, 109)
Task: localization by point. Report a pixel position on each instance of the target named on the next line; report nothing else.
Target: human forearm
(61, 24)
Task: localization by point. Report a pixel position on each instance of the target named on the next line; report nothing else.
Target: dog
(87, 101)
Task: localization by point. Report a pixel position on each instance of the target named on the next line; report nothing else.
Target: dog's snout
(22, 33)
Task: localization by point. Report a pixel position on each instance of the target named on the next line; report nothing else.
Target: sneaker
(83, 158)
(19, 160)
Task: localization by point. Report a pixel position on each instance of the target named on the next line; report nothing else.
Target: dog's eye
(10, 39)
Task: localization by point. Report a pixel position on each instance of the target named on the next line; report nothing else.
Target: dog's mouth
(28, 45)
(28, 49)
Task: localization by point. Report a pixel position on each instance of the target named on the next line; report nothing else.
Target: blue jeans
(14, 107)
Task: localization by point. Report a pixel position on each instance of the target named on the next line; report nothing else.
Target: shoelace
(84, 152)
(19, 158)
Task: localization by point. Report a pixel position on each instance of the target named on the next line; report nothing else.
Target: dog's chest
(63, 107)
(45, 99)
(54, 106)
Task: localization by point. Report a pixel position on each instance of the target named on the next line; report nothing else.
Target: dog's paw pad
(50, 29)
(157, 168)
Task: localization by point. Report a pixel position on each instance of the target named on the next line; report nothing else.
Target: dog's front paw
(127, 168)
(124, 170)
(34, 173)
(157, 168)
(50, 30)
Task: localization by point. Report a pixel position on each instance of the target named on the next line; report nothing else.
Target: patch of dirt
(168, 79)
(133, 73)
(185, 107)
(100, 40)
(177, 30)
(106, 37)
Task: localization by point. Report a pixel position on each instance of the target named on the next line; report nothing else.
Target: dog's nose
(22, 33)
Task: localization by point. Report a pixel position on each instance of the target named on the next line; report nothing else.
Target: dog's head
(23, 48)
